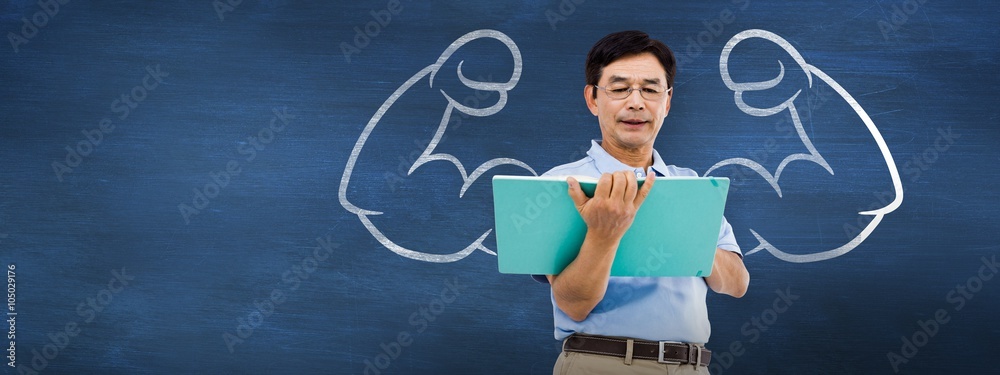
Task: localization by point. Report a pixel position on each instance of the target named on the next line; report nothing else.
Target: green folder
(675, 232)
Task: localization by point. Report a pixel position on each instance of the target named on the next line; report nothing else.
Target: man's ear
(670, 96)
(588, 95)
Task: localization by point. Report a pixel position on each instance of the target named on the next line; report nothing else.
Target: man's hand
(729, 274)
(609, 214)
(616, 200)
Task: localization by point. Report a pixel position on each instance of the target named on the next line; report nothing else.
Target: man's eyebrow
(617, 78)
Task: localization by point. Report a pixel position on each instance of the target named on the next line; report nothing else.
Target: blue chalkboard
(265, 187)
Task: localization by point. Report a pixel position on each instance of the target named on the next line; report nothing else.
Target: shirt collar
(607, 164)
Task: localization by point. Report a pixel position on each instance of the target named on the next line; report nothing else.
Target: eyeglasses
(621, 91)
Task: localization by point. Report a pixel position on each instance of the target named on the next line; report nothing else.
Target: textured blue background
(194, 281)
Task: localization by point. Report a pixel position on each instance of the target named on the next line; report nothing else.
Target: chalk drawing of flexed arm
(813, 155)
(428, 154)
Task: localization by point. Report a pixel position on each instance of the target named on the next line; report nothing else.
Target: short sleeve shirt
(648, 308)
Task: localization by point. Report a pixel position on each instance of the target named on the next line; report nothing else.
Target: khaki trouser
(572, 363)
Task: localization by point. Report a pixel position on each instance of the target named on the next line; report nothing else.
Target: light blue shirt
(648, 308)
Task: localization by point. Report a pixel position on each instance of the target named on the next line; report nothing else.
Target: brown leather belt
(660, 351)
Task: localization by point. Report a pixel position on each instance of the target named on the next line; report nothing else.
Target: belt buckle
(697, 362)
(660, 356)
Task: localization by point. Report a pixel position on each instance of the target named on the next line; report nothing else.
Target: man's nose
(635, 100)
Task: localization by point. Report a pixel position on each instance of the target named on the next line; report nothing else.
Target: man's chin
(635, 140)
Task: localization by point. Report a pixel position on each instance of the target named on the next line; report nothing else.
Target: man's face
(632, 122)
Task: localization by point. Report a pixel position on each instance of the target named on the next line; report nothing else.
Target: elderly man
(618, 325)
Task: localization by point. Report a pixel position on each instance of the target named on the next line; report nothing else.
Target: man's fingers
(575, 192)
(644, 190)
(619, 186)
(603, 186)
(631, 186)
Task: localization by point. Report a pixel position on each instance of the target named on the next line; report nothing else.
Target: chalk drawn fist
(779, 96)
(455, 104)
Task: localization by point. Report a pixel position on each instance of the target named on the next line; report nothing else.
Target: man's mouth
(634, 122)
